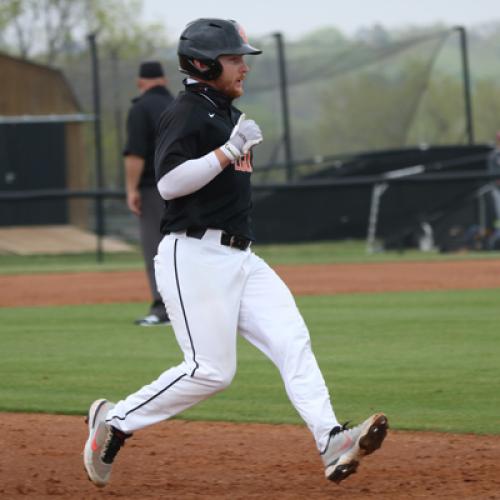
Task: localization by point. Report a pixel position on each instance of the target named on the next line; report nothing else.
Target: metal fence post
(98, 145)
(118, 117)
(466, 82)
(285, 109)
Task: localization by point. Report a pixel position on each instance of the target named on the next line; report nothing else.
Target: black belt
(229, 240)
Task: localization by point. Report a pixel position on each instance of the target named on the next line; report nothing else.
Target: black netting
(361, 97)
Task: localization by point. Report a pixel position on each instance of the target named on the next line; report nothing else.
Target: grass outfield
(306, 253)
(428, 359)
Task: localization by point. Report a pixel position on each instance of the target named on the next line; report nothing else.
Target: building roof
(30, 88)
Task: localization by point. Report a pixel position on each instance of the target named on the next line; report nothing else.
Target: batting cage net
(353, 97)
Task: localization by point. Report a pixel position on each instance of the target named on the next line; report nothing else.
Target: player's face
(234, 71)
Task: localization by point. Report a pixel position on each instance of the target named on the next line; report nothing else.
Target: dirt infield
(41, 459)
(131, 286)
(41, 454)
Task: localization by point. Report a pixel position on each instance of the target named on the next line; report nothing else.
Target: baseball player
(211, 282)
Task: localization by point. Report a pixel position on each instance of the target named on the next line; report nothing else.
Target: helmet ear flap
(213, 71)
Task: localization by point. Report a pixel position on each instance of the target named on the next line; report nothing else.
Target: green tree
(40, 26)
(370, 110)
(486, 107)
(50, 29)
(441, 115)
(121, 30)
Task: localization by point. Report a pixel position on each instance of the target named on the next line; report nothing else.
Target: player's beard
(231, 88)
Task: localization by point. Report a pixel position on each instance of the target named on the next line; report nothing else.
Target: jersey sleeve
(177, 140)
(137, 132)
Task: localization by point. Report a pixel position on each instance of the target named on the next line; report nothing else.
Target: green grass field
(430, 360)
(306, 253)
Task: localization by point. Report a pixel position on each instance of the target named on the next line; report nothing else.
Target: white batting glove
(244, 136)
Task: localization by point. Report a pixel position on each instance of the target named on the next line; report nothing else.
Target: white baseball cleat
(103, 443)
(346, 447)
(153, 320)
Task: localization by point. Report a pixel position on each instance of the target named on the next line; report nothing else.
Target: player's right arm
(134, 155)
(134, 166)
(192, 174)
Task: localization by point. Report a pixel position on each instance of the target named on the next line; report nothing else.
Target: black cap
(150, 69)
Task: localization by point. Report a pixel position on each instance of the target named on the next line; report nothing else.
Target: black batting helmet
(206, 40)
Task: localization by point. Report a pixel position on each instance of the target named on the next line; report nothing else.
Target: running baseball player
(211, 282)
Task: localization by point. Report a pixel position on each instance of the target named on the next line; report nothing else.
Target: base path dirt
(41, 459)
(131, 286)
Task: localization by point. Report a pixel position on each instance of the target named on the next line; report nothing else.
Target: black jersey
(142, 120)
(199, 121)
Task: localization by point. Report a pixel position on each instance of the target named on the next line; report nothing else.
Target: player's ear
(199, 65)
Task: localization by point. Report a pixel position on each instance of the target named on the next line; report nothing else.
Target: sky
(294, 18)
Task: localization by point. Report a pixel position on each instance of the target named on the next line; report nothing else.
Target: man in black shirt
(143, 198)
(212, 284)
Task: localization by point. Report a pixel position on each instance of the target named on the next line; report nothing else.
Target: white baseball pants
(211, 292)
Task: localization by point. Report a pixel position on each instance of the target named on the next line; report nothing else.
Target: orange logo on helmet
(242, 33)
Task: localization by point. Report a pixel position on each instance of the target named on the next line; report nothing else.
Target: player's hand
(244, 136)
(134, 201)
